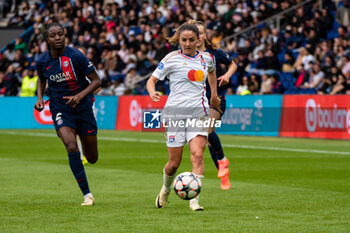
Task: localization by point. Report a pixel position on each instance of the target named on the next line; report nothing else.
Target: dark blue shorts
(83, 122)
(222, 106)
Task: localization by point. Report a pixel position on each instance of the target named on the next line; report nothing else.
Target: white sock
(222, 159)
(167, 181)
(80, 148)
(88, 195)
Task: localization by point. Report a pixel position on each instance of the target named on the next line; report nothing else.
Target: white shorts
(179, 136)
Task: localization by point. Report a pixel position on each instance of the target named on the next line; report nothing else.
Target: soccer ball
(187, 185)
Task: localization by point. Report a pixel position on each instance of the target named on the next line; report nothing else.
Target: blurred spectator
(4, 62)
(347, 84)
(255, 81)
(272, 61)
(20, 44)
(316, 77)
(330, 81)
(346, 64)
(2, 86)
(19, 61)
(266, 85)
(302, 76)
(243, 85)
(250, 91)
(305, 57)
(276, 86)
(10, 52)
(343, 14)
(29, 82)
(127, 36)
(339, 87)
(288, 62)
(10, 82)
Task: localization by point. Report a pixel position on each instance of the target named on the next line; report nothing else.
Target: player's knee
(173, 165)
(92, 158)
(197, 156)
(72, 147)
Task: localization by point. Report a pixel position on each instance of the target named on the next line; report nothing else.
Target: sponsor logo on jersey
(60, 77)
(195, 75)
(47, 68)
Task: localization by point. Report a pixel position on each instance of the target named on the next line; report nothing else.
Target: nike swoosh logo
(48, 67)
(90, 131)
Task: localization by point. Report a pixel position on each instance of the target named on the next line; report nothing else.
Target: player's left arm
(225, 79)
(224, 58)
(215, 100)
(95, 83)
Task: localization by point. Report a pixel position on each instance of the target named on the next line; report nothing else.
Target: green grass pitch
(278, 185)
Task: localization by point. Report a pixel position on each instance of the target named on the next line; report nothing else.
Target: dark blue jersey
(220, 58)
(66, 76)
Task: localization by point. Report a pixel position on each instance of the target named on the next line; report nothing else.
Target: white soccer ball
(187, 185)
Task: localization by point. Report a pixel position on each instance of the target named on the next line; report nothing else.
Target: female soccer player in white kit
(187, 70)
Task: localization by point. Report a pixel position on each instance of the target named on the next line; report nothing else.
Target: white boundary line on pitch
(160, 141)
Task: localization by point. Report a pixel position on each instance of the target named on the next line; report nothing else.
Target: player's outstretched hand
(155, 96)
(73, 101)
(39, 105)
(223, 80)
(215, 103)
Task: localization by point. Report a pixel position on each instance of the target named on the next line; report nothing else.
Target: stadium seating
(142, 41)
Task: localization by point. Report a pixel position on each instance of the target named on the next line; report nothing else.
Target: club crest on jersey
(65, 63)
(171, 138)
(161, 66)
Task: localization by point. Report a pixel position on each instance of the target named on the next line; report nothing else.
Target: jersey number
(58, 116)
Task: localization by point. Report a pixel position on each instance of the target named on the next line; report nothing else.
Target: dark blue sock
(215, 147)
(213, 156)
(78, 171)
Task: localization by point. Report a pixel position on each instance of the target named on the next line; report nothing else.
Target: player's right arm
(151, 88)
(41, 85)
(162, 70)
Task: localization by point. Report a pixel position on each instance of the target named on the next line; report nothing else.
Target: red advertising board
(315, 116)
(130, 108)
(43, 117)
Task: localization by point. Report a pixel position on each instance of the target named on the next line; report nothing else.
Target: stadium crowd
(126, 39)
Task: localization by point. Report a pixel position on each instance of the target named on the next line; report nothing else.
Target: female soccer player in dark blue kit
(65, 69)
(214, 144)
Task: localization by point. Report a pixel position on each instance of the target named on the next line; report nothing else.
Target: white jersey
(187, 76)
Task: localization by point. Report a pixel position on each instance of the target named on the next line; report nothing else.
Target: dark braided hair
(46, 32)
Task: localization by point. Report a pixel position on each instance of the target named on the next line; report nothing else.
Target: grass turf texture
(272, 190)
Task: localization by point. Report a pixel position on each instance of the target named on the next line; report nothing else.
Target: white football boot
(162, 198)
(88, 200)
(194, 205)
